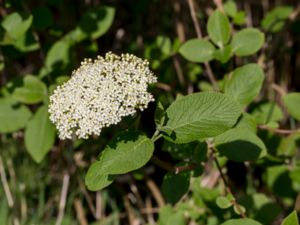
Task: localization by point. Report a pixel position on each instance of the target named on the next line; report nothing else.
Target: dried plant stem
(63, 198)
(80, 212)
(219, 5)
(98, 205)
(7, 191)
(155, 192)
(276, 130)
(129, 210)
(149, 213)
(208, 69)
(175, 169)
(178, 71)
(87, 197)
(278, 89)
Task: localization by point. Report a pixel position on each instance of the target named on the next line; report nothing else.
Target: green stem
(156, 136)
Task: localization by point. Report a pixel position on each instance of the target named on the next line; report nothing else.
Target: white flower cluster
(99, 94)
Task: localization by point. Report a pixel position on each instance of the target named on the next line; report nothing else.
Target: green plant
(221, 138)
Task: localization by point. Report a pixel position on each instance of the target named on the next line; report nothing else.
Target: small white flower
(99, 94)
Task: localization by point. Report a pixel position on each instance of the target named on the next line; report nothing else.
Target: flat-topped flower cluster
(99, 94)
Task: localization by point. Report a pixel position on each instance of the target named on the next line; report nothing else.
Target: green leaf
(58, 55)
(260, 207)
(218, 28)
(247, 122)
(15, 25)
(245, 83)
(32, 92)
(164, 44)
(240, 18)
(96, 22)
(26, 43)
(223, 54)
(98, 176)
(175, 186)
(294, 174)
(289, 145)
(184, 151)
(39, 135)
(240, 145)
(247, 41)
(267, 112)
(13, 118)
(126, 152)
(279, 182)
(241, 222)
(169, 216)
(239, 209)
(159, 116)
(196, 50)
(291, 219)
(230, 8)
(223, 202)
(275, 19)
(291, 102)
(200, 115)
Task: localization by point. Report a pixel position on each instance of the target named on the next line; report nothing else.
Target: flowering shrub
(200, 127)
(99, 94)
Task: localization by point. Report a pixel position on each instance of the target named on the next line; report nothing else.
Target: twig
(87, 197)
(63, 198)
(210, 74)
(7, 191)
(228, 190)
(178, 71)
(129, 211)
(296, 12)
(194, 18)
(278, 89)
(178, 23)
(149, 213)
(80, 212)
(163, 86)
(219, 5)
(276, 130)
(135, 191)
(99, 209)
(155, 192)
(175, 169)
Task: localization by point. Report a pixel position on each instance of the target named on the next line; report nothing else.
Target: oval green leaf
(275, 19)
(32, 92)
(240, 145)
(200, 115)
(218, 28)
(292, 103)
(13, 118)
(196, 50)
(267, 112)
(245, 221)
(126, 152)
(97, 21)
(245, 83)
(291, 219)
(15, 25)
(175, 186)
(39, 135)
(223, 202)
(247, 41)
(98, 176)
